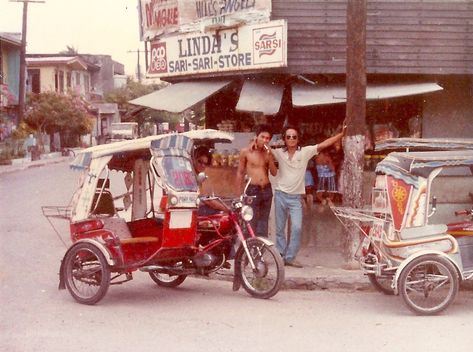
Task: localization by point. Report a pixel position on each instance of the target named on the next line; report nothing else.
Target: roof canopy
(304, 94)
(180, 96)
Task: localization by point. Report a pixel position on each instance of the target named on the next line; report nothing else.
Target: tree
(70, 50)
(51, 112)
(134, 90)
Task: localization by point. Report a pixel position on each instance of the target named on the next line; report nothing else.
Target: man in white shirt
(290, 187)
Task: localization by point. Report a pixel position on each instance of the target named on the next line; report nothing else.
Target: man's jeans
(288, 204)
(261, 207)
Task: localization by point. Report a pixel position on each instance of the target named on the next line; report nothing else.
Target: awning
(260, 96)
(305, 94)
(180, 96)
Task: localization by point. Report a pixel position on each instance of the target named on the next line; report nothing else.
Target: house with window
(58, 74)
(91, 76)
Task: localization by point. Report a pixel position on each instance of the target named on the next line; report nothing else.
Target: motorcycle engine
(204, 260)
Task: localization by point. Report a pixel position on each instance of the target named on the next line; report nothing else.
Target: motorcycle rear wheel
(268, 277)
(165, 280)
(86, 273)
(428, 284)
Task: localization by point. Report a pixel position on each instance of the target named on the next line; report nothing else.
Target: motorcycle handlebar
(462, 212)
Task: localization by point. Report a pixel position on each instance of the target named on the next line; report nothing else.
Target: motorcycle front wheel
(86, 273)
(267, 277)
(165, 280)
(428, 284)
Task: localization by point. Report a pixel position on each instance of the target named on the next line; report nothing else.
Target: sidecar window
(179, 174)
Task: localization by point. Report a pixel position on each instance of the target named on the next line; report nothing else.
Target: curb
(6, 169)
(352, 280)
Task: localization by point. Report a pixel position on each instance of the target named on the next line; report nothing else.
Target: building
(91, 76)
(285, 61)
(10, 47)
(59, 74)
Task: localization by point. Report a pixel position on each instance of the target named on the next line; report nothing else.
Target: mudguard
(100, 246)
(417, 255)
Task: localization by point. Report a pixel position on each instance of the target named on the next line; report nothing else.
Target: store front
(284, 62)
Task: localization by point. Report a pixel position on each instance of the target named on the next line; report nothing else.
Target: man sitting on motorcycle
(208, 205)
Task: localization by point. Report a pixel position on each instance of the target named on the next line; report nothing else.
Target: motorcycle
(401, 252)
(159, 234)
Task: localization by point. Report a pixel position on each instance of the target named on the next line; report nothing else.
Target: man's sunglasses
(291, 136)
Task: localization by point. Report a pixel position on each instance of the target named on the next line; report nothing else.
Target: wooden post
(22, 78)
(355, 116)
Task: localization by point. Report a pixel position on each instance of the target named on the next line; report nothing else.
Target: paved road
(199, 316)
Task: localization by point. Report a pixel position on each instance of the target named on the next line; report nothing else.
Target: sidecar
(402, 252)
(135, 208)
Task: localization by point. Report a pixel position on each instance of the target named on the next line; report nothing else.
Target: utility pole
(138, 67)
(22, 83)
(355, 116)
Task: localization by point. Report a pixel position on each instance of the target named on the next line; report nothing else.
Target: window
(61, 81)
(34, 80)
(68, 80)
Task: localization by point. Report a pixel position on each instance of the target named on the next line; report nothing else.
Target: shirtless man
(255, 161)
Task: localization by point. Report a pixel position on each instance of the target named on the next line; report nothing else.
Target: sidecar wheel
(266, 280)
(381, 284)
(86, 273)
(428, 284)
(166, 280)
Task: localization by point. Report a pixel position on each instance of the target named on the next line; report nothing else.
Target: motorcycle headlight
(173, 200)
(247, 213)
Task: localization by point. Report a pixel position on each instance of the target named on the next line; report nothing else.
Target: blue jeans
(261, 207)
(288, 204)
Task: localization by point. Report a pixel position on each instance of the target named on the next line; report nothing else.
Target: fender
(100, 246)
(417, 255)
(236, 278)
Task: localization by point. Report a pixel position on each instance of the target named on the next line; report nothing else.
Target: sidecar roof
(409, 165)
(424, 144)
(124, 153)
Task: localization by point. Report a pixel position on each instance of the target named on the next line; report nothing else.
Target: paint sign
(158, 17)
(398, 194)
(236, 49)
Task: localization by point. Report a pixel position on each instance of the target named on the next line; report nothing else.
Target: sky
(107, 27)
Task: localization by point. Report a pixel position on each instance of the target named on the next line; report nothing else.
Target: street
(200, 315)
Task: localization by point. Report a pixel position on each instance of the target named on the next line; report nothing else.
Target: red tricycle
(158, 230)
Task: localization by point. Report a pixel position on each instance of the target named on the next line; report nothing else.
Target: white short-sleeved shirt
(290, 177)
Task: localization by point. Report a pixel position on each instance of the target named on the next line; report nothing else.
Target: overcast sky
(108, 27)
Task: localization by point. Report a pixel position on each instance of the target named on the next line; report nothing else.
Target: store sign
(158, 17)
(243, 48)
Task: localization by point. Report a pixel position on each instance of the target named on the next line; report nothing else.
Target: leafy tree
(51, 112)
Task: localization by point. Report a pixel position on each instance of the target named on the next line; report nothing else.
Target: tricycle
(158, 229)
(400, 251)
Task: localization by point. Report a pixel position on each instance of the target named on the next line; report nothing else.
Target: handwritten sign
(158, 17)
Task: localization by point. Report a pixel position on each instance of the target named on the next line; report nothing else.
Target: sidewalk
(323, 266)
(26, 163)
(322, 271)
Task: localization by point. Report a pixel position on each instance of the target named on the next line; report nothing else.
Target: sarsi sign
(242, 48)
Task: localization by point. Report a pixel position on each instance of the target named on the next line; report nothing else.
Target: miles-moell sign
(243, 48)
(158, 17)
